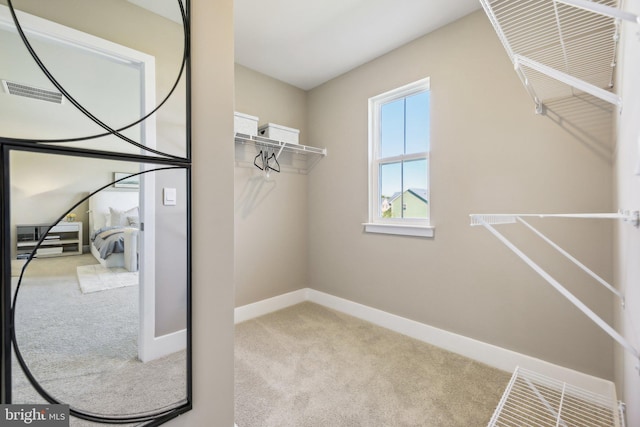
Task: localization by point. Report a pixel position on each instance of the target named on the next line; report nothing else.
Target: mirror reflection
(101, 309)
(119, 60)
(99, 279)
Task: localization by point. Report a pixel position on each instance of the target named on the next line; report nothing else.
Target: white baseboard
(489, 354)
(270, 305)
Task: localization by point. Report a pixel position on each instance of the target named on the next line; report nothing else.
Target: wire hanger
(255, 160)
(269, 162)
(275, 159)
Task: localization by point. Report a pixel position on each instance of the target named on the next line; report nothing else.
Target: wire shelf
(559, 49)
(279, 145)
(292, 157)
(531, 399)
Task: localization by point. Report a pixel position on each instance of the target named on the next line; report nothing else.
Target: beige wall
(171, 260)
(213, 289)
(270, 214)
(271, 100)
(627, 191)
(490, 153)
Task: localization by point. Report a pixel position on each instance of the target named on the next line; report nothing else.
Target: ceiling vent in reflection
(32, 92)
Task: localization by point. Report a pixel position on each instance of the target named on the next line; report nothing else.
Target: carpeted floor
(308, 366)
(82, 347)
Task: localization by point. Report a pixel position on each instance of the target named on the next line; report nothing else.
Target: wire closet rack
(532, 399)
(561, 48)
(524, 403)
(293, 157)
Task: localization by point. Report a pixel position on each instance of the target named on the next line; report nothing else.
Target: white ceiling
(306, 43)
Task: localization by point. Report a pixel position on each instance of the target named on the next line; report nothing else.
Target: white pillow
(133, 221)
(107, 220)
(119, 218)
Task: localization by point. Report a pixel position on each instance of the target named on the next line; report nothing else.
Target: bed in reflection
(114, 224)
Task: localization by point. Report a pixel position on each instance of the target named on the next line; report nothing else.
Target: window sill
(401, 229)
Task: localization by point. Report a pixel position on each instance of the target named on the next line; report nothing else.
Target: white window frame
(377, 224)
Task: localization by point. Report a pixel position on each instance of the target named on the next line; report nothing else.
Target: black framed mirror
(96, 195)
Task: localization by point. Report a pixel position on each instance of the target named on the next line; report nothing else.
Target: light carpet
(82, 348)
(95, 278)
(309, 366)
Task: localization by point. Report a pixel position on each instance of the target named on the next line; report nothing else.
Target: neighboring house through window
(399, 144)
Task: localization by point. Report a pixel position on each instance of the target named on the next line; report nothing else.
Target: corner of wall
(627, 195)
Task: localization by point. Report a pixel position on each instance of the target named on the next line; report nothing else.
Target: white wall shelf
(293, 157)
(561, 48)
(64, 238)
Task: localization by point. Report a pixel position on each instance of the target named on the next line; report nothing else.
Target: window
(399, 130)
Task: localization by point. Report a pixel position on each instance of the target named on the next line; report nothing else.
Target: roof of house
(420, 193)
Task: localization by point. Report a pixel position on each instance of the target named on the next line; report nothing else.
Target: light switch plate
(169, 196)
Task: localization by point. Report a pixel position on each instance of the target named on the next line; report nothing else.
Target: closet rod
(488, 220)
(601, 9)
(628, 216)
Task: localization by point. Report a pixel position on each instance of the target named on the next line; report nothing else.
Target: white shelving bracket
(632, 217)
(567, 79)
(489, 220)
